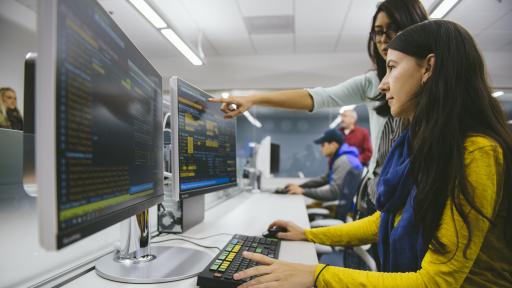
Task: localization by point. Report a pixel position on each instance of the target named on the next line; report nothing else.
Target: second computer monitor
(204, 154)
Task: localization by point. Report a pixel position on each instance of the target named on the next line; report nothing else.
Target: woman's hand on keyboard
(275, 273)
(295, 232)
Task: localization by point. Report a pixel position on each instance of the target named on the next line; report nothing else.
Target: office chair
(344, 205)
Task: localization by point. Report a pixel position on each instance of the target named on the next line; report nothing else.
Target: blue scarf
(352, 155)
(401, 247)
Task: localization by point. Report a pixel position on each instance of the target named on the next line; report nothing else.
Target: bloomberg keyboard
(219, 273)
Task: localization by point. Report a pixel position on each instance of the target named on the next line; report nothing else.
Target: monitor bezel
(50, 237)
(177, 194)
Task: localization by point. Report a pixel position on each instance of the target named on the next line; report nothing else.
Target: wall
(294, 132)
(16, 41)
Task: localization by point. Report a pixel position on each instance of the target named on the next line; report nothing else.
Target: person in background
(4, 121)
(445, 192)
(342, 157)
(9, 109)
(356, 136)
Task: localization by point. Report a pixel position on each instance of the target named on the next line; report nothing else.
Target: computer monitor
(274, 158)
(263, 157)
(99, 145)
(204, 150)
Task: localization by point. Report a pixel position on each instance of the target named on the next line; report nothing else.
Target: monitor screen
(206, 142)
(274, 158)
(107, 106)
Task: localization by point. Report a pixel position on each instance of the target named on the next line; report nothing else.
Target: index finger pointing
(217, 100)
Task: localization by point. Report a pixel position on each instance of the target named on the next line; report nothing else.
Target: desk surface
(247, 214)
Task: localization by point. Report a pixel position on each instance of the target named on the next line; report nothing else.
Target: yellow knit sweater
(489, 260)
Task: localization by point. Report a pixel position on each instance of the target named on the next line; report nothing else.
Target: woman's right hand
(233, 106)
(295, 232)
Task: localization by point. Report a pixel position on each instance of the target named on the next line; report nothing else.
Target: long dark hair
(402, 13)
(453, 103)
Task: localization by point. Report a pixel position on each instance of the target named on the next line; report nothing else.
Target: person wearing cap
(342, 157)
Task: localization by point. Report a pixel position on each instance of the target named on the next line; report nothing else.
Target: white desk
(247, 214)
(270, 184)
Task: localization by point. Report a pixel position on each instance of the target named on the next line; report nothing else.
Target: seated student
(444, 197)
(342, 157)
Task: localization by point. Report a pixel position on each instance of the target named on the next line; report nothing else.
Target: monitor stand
(138, 262)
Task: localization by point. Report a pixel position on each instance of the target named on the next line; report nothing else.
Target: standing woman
(445, 192)
(391, 17)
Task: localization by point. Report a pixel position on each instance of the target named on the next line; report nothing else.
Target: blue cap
(331, 135)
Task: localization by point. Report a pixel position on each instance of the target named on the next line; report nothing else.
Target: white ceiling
(324, 26)
(323, 33)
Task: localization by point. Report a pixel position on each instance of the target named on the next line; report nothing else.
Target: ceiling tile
(318, 31)
(357, 26)
(503, 24)
(353, 42)
(477, 15)
(360, 16)
(495, 40)
(266, 7)
(273, 44)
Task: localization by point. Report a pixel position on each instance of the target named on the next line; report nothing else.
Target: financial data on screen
(109, 119)
(206, 141)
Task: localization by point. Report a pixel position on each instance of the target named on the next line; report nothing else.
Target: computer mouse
(281, 191)
(272, 232)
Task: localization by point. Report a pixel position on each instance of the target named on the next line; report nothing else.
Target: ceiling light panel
(138, 29)
(149, 13)
(183, 21)
(223, 24)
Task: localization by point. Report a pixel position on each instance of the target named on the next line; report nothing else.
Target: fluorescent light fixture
(498, 93)
(253, 120)
(181, 46)
(348, 107)
(149, 13)
(443, 8)
(335, 123)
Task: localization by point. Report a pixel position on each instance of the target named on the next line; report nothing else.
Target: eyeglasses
(390, 33)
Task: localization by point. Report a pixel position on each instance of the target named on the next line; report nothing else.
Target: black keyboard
(219, 273)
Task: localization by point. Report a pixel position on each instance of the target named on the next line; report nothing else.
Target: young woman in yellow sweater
(444, 197)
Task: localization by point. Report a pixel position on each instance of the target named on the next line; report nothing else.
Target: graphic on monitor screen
(205, 150)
